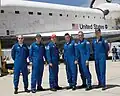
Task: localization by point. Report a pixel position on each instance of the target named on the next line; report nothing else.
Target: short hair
(38, 35)
(97, 30)
(81, 32)
(67, 34)
(20, 36)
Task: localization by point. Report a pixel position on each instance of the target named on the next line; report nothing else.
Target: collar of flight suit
(81, 41)
(99, 39)
(68, 42)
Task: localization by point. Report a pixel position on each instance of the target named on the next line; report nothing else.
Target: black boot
(82, 86)
(16, 91)
(104, 88)
(73, 87)
(33, 91)
(88, 88)
(40, 89)
(26, 90)
(58, 88)
(53, 89)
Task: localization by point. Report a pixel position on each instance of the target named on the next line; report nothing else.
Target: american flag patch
(75, 26)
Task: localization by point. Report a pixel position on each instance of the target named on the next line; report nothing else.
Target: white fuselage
(26, 17)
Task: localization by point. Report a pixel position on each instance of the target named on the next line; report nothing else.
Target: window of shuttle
(7, 32)
(30, 13)
(2, 11)
(67, 15)
(17, 12)
(83, 16)
(94, 17)
(75, 15)
(50, 14)
(88, 16)
(39, 13)
(60, 14)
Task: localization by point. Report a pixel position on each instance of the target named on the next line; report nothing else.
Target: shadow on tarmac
(109, 86)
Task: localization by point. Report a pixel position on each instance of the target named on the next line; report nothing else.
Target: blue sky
(71, 2)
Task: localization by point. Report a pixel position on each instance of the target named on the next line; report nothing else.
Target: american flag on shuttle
(75, 26)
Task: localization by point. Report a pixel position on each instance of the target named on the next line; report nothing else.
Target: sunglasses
(20, 38)
(80, 35)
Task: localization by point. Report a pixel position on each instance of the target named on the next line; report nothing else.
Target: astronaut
(82, 58)
(19, 54)
(69, 57)
(52, 54)
(100, 49)
(37, 55)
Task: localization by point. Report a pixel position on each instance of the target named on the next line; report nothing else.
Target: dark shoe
(58, 88)
(104, 88)
(53, 89)
(88, 88)
(82, 86)
(74, 88)
(69, 87)
(26, 90)
(40, 89)
(33, 91)
(16, 91)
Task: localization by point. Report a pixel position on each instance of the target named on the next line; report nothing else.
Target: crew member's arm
(93, 48)
(27, 52)
(64, 51)
(13, 52)
(44, 54)
(76, 53)
(48, 55)
(107, 48)
(31, 54)
(87, 52)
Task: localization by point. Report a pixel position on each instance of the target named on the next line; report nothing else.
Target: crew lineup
(75, 52)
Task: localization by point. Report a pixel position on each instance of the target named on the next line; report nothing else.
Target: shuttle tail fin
(95, 3)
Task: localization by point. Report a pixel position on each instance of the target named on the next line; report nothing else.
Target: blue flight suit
(19, 55)
(52, 54)
(100, 49)
(82, 55)
(71, 67)
(36, 54)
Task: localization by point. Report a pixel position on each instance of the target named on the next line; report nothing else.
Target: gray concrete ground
(113, 83)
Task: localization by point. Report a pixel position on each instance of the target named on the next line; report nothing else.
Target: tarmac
(113, 83)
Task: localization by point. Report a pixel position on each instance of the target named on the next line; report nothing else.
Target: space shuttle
(28, 18)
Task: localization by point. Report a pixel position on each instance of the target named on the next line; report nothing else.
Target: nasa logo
(75, 44)
(47, 47)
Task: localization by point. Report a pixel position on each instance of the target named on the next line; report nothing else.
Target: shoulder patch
(106, 41)
(87, 42)
(76, 44)
(47, 47)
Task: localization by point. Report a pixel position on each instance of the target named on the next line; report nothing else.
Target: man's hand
(51, 64)
(87, 63)
(45, 62)
(30, 63)
(76, 62)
